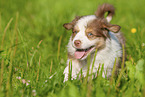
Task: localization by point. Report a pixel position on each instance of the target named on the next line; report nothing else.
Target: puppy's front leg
(66, 73)
(68, 70)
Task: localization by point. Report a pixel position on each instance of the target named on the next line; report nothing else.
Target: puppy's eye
(75, 32)
(90, 34)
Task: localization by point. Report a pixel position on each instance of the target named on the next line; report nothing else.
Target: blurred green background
(33, 48)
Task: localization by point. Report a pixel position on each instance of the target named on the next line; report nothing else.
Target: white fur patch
(109, 18)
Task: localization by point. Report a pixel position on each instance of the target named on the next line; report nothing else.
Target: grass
(33, 49)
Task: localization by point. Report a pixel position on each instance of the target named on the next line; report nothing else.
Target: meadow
(33, 50)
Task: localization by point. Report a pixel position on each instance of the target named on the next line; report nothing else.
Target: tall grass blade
(112, 77)
(2, 70)
(93, 62)
(25, 50)
(16, 32)
(88, 68)
(51, 67)
(9, 79)
(59, 44)
(81, 76)
(0, 23)
(31, 60)
(119, 78)
(123, 56)
(38, 70)
(70, 70)
(5, 30)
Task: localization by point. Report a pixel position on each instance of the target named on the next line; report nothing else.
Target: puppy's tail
(103, 9)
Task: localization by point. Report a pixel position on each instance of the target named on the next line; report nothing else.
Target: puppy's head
(90, 32)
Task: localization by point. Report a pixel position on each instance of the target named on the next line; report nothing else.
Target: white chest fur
(105, 56)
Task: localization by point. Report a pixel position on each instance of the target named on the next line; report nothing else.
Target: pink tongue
(79, 54)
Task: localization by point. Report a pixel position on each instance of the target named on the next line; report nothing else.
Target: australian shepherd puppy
(91, 33)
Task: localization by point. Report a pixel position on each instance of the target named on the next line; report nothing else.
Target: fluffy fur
(88, 34)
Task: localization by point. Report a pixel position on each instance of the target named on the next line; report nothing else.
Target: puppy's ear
(68, 26)
(113, 28)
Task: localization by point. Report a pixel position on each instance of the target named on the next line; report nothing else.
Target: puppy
(91, 33)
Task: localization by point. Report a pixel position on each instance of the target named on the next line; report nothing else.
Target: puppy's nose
(77, 43)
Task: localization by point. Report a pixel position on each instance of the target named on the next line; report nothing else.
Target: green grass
(33, 47)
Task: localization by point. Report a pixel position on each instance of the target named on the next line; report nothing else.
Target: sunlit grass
(33, 51)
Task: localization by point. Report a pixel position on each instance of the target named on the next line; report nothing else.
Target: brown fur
(74, 30)
(103, 9)
(70, 25)
(96, 28)
(101, 44)
(99, 28)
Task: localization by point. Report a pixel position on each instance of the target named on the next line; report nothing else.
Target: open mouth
(80, 53)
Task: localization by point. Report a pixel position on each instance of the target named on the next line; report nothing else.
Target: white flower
(27, 84)
(23, 81)
(18, 77)
(34, 92)
(52, 75)
(16, 69)
(143, 44)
